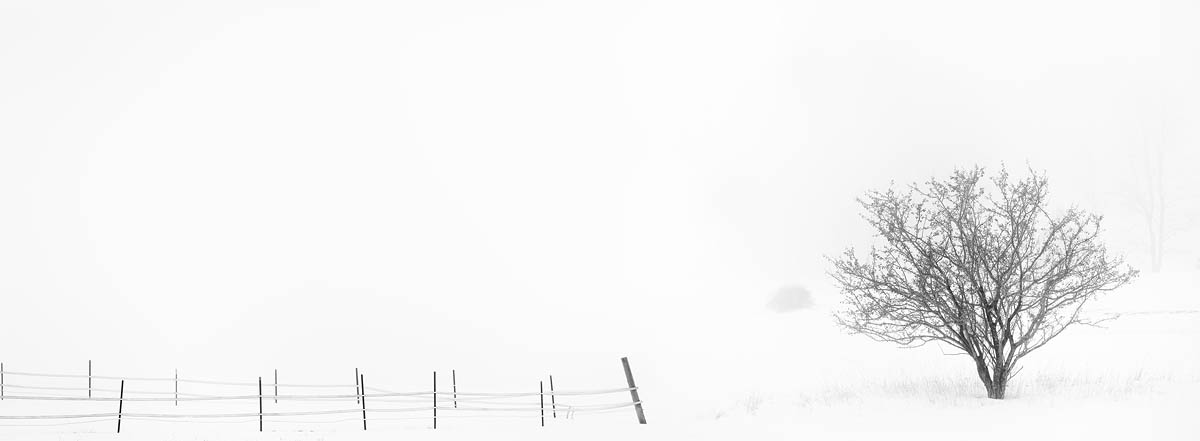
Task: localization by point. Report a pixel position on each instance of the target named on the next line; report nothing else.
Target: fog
(450, 178)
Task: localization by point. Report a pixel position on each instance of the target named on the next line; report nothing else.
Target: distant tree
(1160, 187)
(1167, 210)
(1148, 198)
(986, 269)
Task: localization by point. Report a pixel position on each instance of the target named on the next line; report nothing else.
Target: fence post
(89, 378)
(637, 402)
(260, 409)
(176, 387)
(1, 381)
(363, 385)
(454, 384)
(434, 400)
(553, 405)
(542, 400)
(120, 406)
(357, 392)
(277, 386)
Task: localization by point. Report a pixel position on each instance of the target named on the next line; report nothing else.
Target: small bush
(790, 298)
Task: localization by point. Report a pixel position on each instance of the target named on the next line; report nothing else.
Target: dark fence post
(176, 387)
(89, 378)
(542, 405)
(260, 409)
(357, 392)
(120, 406)
(454, 384)
(553, 405)
(277, 386)
(435, 400)
(637, 402)
(363, 384)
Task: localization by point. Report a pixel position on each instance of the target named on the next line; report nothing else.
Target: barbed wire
(247, 384)
(306, 397)
(174, 380)
(115, 391)
(575, 409)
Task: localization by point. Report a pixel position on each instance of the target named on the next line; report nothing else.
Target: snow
(517, 189)
(762, 374)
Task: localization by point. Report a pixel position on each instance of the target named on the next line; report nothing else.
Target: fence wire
(444, 404)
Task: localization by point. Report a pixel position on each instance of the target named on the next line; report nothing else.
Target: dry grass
(961, 391)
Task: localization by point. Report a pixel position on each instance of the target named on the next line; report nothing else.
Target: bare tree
(1148, 199)
(1159, 191)
(985, 269)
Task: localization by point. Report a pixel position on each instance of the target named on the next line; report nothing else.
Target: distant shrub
(790, 298)
(752, 403)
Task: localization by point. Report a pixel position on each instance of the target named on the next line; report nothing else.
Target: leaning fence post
(120, 406)
(435, 400)
(637, 402)
(260, 409)
(363, 383)
(542, 400)
(553, 406)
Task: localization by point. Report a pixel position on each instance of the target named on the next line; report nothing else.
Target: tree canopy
(979, 264)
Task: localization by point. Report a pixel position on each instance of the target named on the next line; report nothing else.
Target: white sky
(329, 176)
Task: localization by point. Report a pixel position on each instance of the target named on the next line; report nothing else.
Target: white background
(239, 186)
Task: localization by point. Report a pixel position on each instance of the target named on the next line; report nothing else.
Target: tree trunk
(999, 384)
(996, 388)
(996, 382)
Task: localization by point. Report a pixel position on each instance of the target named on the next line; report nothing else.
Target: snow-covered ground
(752, 373)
